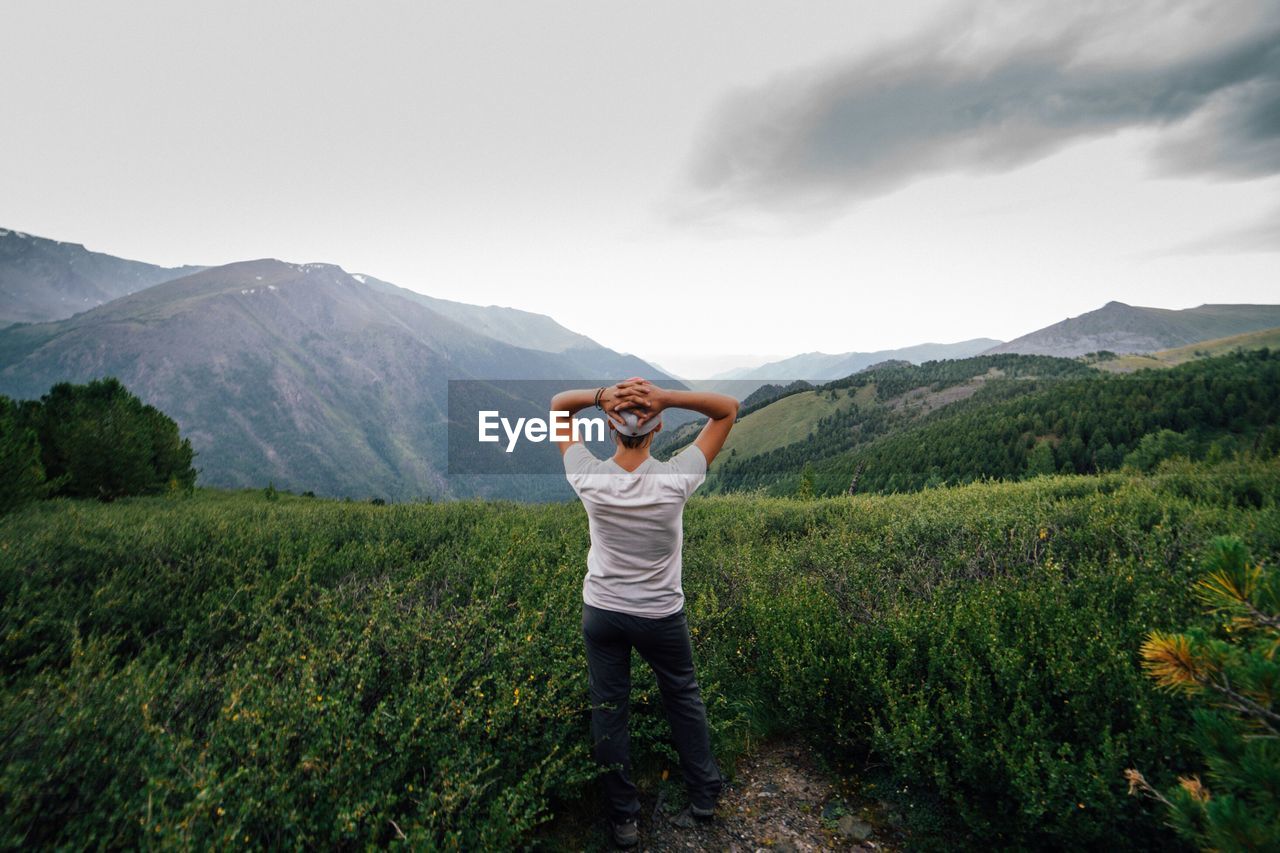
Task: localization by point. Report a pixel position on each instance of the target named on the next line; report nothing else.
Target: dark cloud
(820, 139)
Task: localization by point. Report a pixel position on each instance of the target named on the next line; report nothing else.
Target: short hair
(631, 442)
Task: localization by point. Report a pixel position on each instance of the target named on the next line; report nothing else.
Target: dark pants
(664, 644)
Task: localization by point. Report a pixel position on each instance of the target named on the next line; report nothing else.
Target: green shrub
(306, 672)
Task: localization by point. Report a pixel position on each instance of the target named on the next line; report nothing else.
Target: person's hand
(648, 398)
(616, 398)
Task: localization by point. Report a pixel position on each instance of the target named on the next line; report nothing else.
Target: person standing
(632, 593)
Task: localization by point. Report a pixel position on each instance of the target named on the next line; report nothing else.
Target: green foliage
(1155, 447)
(1230, 668)
(1040, 459)
(1095, 421)
(318, 673)
(98, 440)
(21, 472)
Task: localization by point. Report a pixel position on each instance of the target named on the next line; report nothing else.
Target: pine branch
(1243, 703)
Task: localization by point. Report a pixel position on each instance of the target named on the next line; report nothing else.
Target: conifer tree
(1230, 670)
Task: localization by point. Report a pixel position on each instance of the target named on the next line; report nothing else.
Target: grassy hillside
(1269, 338)
(232, 669)
(788, 420)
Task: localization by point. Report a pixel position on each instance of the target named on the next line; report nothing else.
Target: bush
(308, 672)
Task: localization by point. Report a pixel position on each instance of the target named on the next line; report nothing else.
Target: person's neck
(629, 459)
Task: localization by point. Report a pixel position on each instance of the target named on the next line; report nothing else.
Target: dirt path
(781, 800)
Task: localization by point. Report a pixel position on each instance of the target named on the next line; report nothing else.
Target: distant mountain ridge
(43, 279)
(1121, 328)
(299, 374)
(820, 366)
(313, 378)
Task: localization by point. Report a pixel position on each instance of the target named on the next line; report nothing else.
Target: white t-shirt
(637, 528)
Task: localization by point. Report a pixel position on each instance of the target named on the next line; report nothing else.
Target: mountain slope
(509, 325)
(803, 427)
(1122, 328)
(1178, 355)
(528, 330)
(42, 279)
(297, 374)
(819, 366)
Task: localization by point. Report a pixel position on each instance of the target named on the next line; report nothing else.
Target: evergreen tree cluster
(96, 440)
(895, 380)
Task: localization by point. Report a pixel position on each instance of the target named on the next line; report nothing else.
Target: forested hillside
(1026, 418)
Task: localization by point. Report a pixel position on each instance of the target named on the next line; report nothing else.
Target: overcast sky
(692, 182)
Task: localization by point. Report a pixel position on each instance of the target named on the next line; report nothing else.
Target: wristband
(599, 393)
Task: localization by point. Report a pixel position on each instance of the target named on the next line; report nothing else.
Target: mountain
(42, 279)
(299, 374)
(820, 366)
(1120, 328)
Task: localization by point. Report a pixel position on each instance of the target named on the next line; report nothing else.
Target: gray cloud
(817, 140)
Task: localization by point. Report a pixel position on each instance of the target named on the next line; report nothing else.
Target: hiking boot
(690, 816)
(625, 834)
